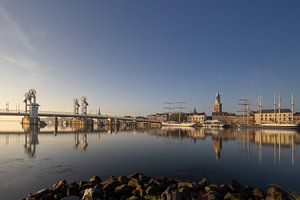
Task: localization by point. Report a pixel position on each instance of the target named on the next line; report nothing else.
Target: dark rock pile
(138, 186)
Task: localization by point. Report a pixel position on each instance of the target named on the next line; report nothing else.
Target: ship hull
(178, 124)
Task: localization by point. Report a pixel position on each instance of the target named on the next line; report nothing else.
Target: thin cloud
(22, 62)
(13, 29)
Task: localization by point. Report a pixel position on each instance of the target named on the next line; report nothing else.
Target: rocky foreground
(138, 186)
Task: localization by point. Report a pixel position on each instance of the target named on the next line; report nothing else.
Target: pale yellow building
(197, 117)
(283, 116)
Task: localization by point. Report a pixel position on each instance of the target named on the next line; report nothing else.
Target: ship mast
(292, 98)
(274, 107)
(279, 120)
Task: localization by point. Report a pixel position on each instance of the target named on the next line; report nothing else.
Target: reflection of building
(217, 144)
(270, 116)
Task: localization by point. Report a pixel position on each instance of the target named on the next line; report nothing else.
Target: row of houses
(263, 116)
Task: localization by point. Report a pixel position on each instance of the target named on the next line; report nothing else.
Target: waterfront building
(161, 117)
(272, 116)
(197, 117)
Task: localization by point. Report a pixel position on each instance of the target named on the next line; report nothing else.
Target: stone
(185, 184)
(60, 186)
(111, 185)
(133, 183)
(71, 198)
(135, 175)
(203, 182)
(95, 179)
(152, 190)
(88, 194)
(123, 179)
(235, 186)
(171, 193)
(38, 194)
(48, 196)
(227, 196)
(258, 193)
(73, 189)
(123, 189)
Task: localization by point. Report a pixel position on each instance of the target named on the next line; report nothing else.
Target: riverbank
(139, 186)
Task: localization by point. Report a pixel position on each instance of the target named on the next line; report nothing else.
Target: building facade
(197, 117)
(161, 117)
(271, 116)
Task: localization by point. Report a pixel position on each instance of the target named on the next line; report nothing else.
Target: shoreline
(139, 186)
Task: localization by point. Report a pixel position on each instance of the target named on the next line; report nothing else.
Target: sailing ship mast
(279, 119)
(292, 98)
(274, 107)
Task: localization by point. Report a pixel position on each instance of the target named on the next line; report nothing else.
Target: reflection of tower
(217, 142)
(217, 103)
(81, 141)
(31, 140)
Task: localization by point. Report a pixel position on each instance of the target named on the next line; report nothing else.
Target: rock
(171, 193)
(123, 189)
(258, 193)
(240, 196)
(123, 179)
(111, 185)
(227, 196)
(39, 194)
(213, 195)
(185, 184)
(133, 183)
(235, 186)
(134, 198)
(152, 190)
(60, 186)
(203, 182)
(71, 198)
(87, 186)
(59, 196)
(73, 189)
(154, 182)
(48, 196)
(88, 194)
(95, 179)
(135, 175)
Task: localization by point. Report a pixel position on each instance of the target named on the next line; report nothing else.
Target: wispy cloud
(17, 51)
(23, 62)
(13, 30)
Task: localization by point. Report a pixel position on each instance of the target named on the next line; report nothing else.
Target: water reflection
(278, 139)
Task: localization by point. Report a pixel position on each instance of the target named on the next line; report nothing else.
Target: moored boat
(183, 124)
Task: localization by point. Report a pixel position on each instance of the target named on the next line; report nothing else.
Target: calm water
(31, 161)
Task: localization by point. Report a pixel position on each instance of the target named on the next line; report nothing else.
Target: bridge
(31, 115)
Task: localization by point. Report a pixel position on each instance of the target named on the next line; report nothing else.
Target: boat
(213, 124)
(182, 124)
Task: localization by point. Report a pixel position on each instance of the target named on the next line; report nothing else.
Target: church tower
(217, 103)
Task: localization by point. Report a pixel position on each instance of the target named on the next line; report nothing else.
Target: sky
(130, 57)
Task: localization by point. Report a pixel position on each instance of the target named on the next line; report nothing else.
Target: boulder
(95, 179)
(60, 186)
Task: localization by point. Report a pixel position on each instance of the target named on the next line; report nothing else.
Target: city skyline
(131, 58)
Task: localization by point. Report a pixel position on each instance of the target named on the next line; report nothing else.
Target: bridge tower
(76, 106)
(32, 108)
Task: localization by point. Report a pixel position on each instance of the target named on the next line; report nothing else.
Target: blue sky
(130, 57)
